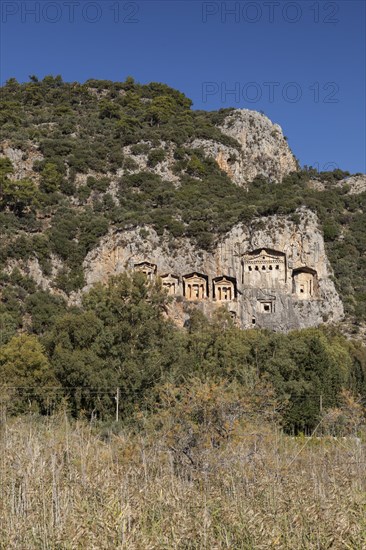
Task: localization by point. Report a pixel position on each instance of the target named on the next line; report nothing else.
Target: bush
(196, 417)
(140, 149)
(155, 156)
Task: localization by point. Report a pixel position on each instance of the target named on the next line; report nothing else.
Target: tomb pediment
(169, 278)
(145, 265)
(264, 255)
(303, 269)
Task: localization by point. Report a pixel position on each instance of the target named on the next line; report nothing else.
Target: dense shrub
(155, 156)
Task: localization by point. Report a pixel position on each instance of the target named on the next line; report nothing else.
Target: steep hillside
(126, 215)
(85, 162)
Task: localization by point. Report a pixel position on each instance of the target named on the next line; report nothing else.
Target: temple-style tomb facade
(147, 269)
(170, 283)
(224, 289)
(264, 269)
(304, 283)
(195, 286)
(262, 288)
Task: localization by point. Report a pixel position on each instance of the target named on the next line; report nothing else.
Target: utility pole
(321, 403)
(117, 404)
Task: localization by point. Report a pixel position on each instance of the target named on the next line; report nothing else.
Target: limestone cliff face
(263, 150)
(272, 273)
(229, 159)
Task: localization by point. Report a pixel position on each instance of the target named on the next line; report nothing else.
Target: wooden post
(117, 404)
(321, 403)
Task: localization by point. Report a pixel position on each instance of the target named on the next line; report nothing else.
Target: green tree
(8, 326)
(18, 195)
(51, 179)
(10, 113)
(77, 358)
(160, 110)
(119, 340)
(304, 366)
(44, 308)
(6, 167)
(26, 375)
(110, 110)
(196, 167)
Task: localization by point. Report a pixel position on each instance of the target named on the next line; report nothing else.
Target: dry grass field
(66, 485)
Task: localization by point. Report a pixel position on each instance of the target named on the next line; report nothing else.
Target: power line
(113, 389)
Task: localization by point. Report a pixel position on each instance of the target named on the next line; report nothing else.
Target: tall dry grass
(65, 487)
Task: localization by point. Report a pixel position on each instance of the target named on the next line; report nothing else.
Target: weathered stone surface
(31, 268)
(318, 185)
(274, 302)
(272, 273)
(356, 184)
(353, 185)
(22, 160)
(163, 168)
(265, 151)
(229, 159)
(262, 149)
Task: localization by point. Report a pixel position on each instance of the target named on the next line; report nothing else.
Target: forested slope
(80, 159)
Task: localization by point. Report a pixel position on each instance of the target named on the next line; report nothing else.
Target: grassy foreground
(67, 485)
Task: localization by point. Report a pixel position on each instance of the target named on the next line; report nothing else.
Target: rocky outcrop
(352, 185)
(22, 159)
(229, 159)
(264, 149)
(272, 273)
(299, 293)
(31, 268)
(163, 168)
(355, 184)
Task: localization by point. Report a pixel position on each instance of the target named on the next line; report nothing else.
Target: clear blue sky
(302, 63)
